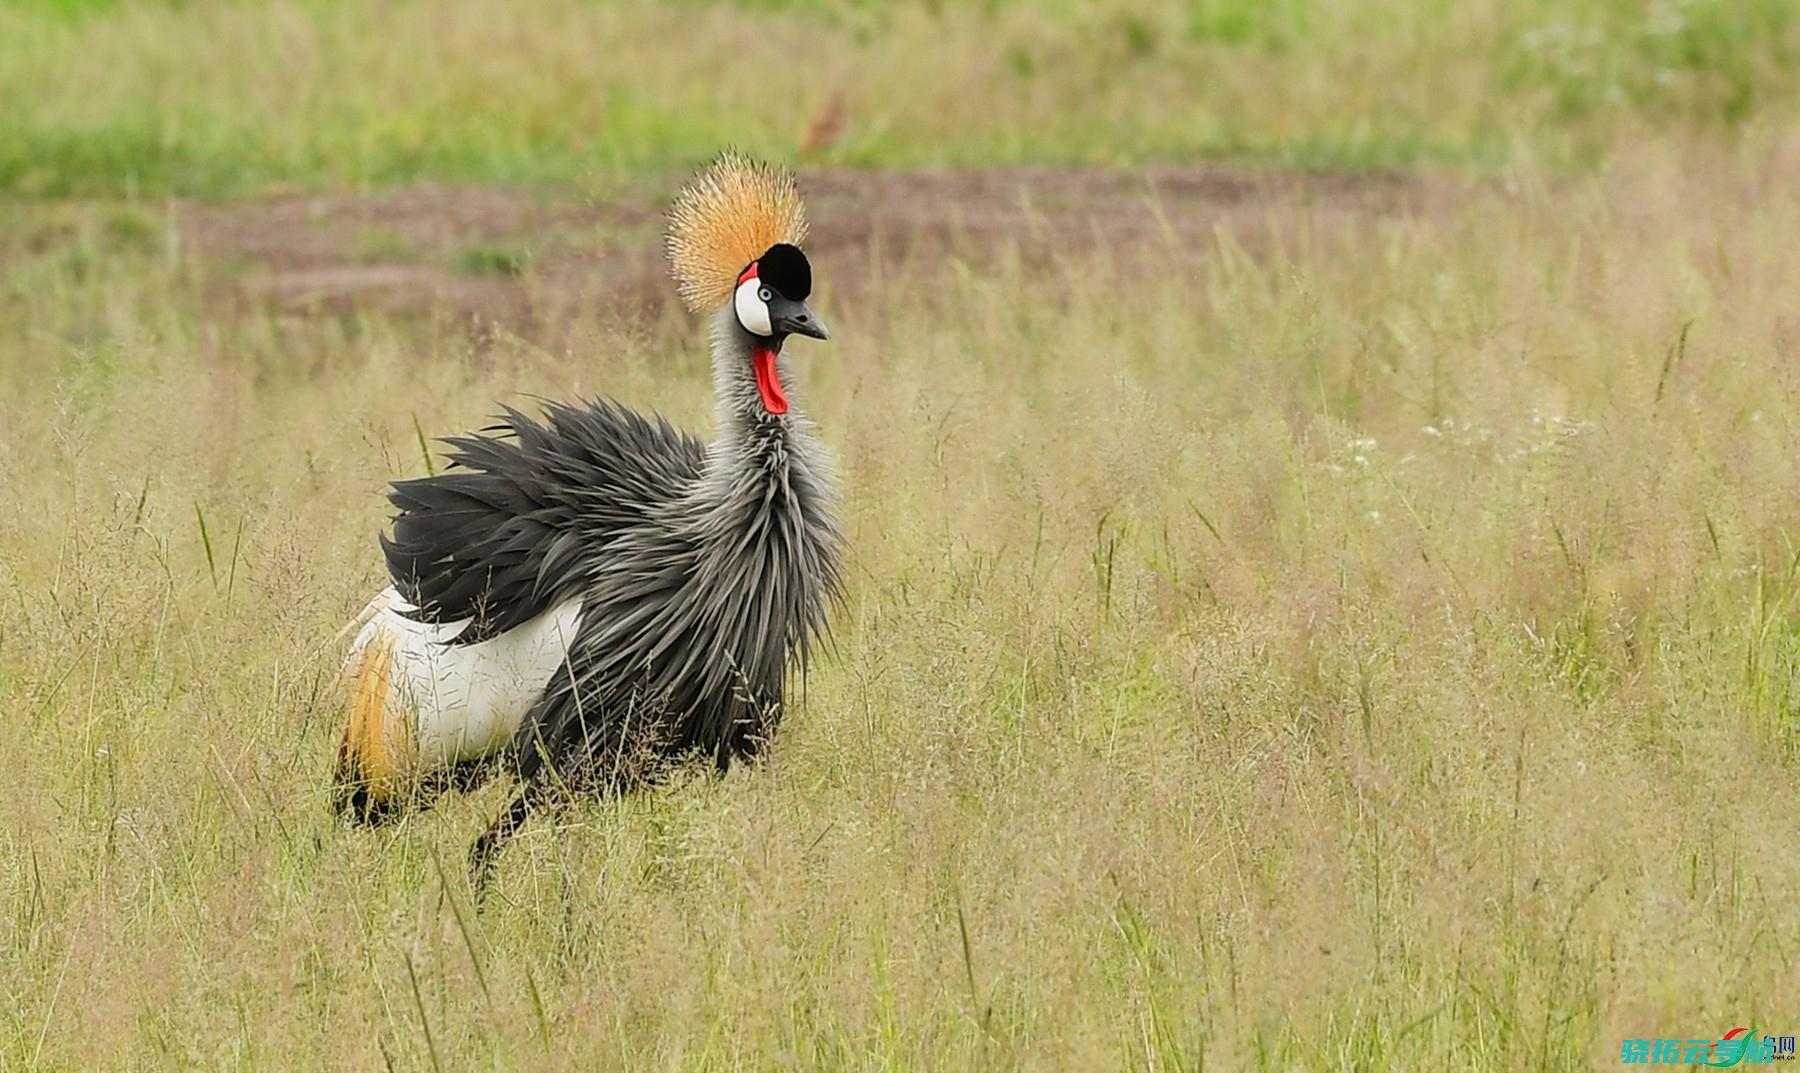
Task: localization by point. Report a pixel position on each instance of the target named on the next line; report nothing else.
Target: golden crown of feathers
(728, 216)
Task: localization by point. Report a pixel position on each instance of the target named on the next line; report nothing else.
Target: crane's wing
(503, 534)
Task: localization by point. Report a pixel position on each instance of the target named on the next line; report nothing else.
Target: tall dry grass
(1357, 646)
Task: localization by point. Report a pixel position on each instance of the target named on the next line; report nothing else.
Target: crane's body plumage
(693, 614)
(681, 581)
(596, 585)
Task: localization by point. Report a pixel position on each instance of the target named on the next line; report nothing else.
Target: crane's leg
(481, 855)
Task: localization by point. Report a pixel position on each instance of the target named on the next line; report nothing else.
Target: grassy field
(1348, 640)
(214, 97)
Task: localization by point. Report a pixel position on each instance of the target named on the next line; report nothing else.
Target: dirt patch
(532, 259)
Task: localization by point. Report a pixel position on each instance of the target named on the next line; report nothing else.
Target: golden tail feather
(372, 759)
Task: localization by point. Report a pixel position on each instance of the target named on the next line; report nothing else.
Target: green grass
(1372, 649)
(489, 260)
(224, 98)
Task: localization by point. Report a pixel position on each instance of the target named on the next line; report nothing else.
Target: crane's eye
(765, 293)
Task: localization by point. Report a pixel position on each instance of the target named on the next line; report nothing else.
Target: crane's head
(734, 235)
(770, 300)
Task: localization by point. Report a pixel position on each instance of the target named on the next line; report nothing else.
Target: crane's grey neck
(741, 414)
(757, 457)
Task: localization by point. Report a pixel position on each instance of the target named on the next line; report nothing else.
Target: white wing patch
(466, 701)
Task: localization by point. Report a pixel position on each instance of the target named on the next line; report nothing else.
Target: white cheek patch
(752, 311)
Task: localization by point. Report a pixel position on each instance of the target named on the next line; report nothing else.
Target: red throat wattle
(767, 384)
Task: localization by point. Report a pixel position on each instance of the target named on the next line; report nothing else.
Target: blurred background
(217, 99)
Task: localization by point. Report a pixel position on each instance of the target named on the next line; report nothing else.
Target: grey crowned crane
(578, 595)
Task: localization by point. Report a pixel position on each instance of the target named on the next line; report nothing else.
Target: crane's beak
(789, 317)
